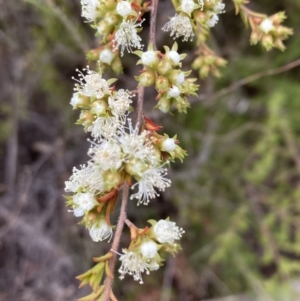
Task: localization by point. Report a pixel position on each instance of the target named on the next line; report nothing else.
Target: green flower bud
(111, 19)
(164, 104)
(164, 66)
(162, 83)
(176, 77)
(111, 179)
(104, 28)
(135, 167)
(146, 79)
(99, 107)
(85, 118)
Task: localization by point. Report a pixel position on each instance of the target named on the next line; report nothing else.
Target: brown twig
(116, 241)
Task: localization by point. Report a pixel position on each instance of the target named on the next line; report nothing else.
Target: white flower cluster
(124, 29)
(145, 258)
(118, 148)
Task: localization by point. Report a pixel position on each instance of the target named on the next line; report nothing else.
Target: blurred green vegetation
(236, 195)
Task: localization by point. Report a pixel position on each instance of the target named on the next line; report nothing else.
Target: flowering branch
(124, 156)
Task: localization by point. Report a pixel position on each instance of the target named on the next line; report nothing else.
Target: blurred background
(236, 195)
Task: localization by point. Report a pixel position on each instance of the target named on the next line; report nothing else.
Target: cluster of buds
(164, 71)
(190, 13)
(265, 29)
(147, 247)
(106, 57)
(207, 62)
(118, 153)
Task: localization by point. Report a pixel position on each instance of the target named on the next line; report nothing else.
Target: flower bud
(164, 66)
(111, 19)
(146, 79)
(198, 62)
(173, 56)
(85, 118)
(164, 104)
(99, 107)
(79, 101)
(104, 28)
(176, 77)
(135, 167)
(266, 25)
(148, 249)
(112, 179)
(168, 145)
(100, 230)
(124, 8)
(106, 56)
(188, 6)
(174, 92)
(162, 83)
(149, 58)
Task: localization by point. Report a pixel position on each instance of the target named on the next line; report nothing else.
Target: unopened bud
(104, 28)
(99, 107)
(162, 83)
(164, 104)
(146, 79)
(112, 179)
(164, 66)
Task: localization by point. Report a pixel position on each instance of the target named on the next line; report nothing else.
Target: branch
(116, 241)
(248, 80)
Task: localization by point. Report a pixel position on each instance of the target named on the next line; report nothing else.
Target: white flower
(120, 102)
(149, 249)
(214, 18)
(126, 37)
(180, 26)
(266, 26)
(174, 92)
(107, 155)
(101, 231)
(106, 56)
(168, 145)
(132, 264)
(173, 56)
(78, 180)
(88, 179)
(91, 84)
(149, 58)
(124, 8)
(136, 146)
(167, 232)
(75, 100)
(187, 6)
(104, 127)
(151, 178)
(83, 202)
(89, 9)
